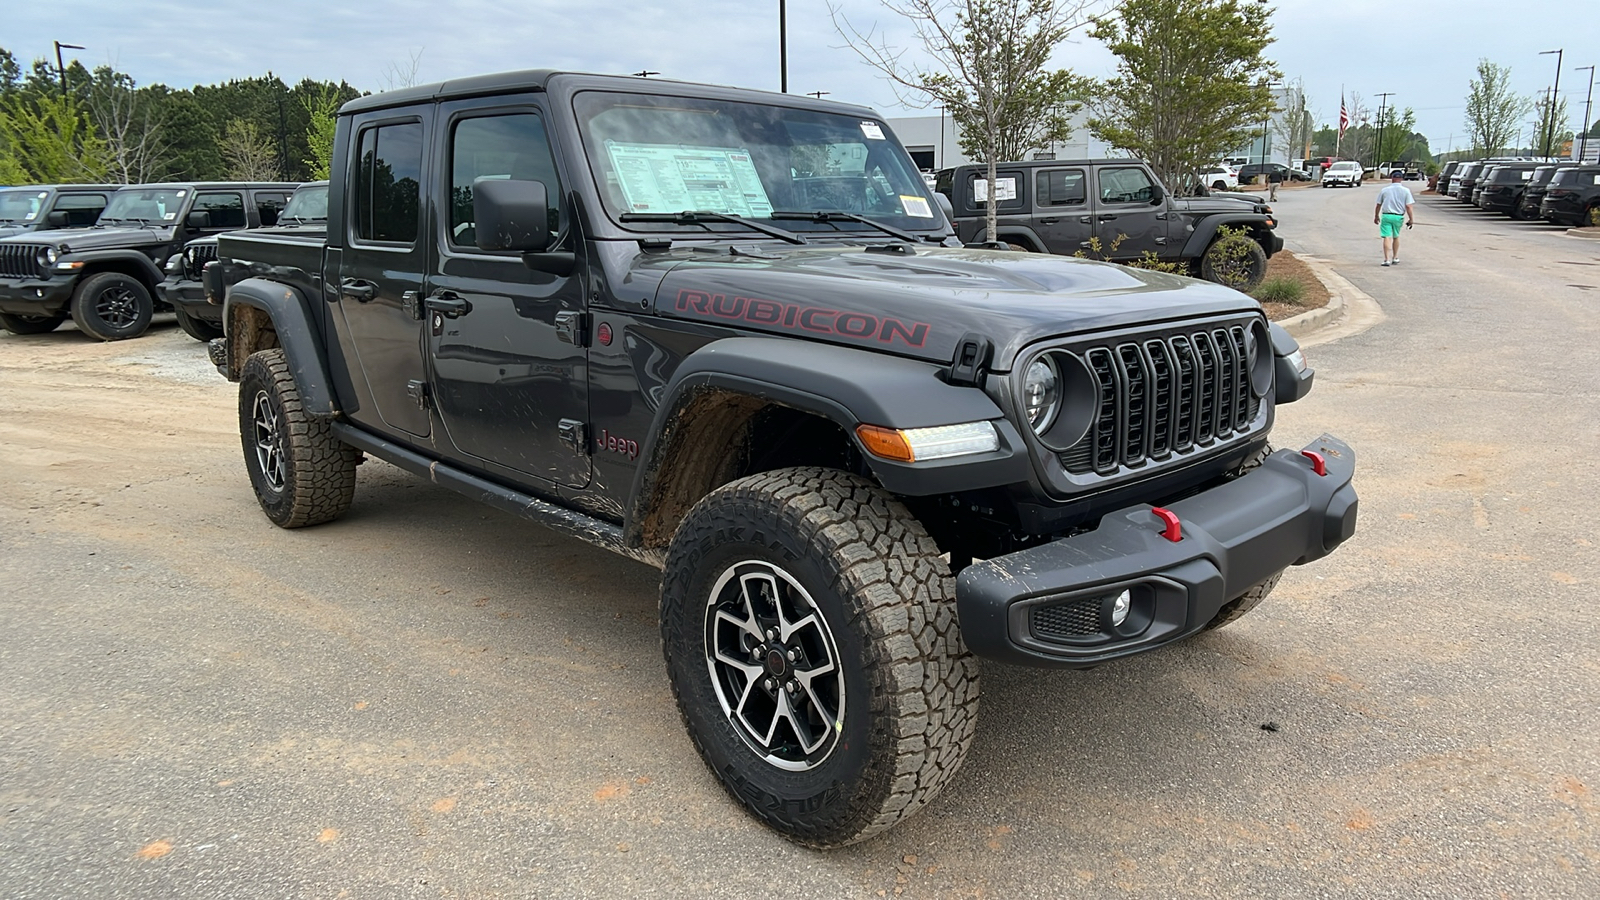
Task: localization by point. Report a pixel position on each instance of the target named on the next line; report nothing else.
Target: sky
(1423, 51)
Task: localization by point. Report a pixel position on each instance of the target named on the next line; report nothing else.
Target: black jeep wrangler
(729, 333)
(305, 218)
(1113, 209)
(105, 277)
(47, 207)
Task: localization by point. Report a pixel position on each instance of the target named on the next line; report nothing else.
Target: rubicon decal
(798, 317)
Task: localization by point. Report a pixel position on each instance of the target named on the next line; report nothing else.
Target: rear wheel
(301, 473)
(809, 628)
(1219, 185)
(112, 306)
(199, 329)
(31, 324)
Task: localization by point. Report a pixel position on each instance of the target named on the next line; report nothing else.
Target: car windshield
(654, 157)
(1345, 166)
(308, 204)
(147, 205)
(17, 207)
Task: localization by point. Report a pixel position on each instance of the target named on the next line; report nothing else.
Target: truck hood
(109, 238)
(923, 302)
(1215, 204)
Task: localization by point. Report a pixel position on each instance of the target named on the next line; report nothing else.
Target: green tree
(47, 139)
(1493, 109)
(322, 109)
(1552, 124)
(990, 69)
(1191, 82)
(1395, 136)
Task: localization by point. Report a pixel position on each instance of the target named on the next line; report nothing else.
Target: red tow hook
(1318, 464)
(1174, 531)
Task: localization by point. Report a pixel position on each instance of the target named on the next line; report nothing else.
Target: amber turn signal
(887, 443)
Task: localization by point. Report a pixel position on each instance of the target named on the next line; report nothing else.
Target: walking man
(1393, 210)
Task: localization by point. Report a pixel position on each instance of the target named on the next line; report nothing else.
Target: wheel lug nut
(793, 656)
(789, 687)
(767, 684)
(771, 634)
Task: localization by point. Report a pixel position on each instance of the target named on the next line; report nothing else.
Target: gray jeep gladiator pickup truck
(731, 334)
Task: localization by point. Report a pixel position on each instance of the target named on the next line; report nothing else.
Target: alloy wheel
(269, 442)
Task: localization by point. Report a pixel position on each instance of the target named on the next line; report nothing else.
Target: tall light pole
(783, 45)
(1583, 136)
(61, 67)
(1555, 94)
(1377, 152)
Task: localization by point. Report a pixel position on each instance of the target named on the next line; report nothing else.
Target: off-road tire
(1253, 265)
(1234, 609)
(31, 324)
(910, 689)
(199, 329)
(112, 306)
(308, 476)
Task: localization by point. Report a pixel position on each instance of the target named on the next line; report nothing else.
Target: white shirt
(1394, 199)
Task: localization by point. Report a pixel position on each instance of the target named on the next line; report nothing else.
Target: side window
(1127, 186)
(227, 210)
(1008, 193)
(389, 183)
(268, 205)
(498, 147)
(81, 209)
(1061, 187)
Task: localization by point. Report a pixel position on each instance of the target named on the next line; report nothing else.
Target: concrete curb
(1588, 234)
(1311, 320)
(1349, 312)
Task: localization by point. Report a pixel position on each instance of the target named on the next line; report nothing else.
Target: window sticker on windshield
(181, 193)
(872, 131)
(916, 206)
(662, 178)
(170, 216)
(1527, 176)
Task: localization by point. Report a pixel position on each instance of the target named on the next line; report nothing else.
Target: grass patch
(1281, 290)
(1284, 266)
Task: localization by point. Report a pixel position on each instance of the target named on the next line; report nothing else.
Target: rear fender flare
(290, 312)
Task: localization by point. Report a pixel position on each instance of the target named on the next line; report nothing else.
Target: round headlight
(1261, 360)
(1041, 393)
(47, 257)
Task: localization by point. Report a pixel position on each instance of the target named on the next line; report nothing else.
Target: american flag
(1344, 116)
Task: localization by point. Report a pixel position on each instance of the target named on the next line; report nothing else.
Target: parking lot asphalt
(431, 699)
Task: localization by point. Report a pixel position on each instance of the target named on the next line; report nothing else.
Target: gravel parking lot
(432, 699)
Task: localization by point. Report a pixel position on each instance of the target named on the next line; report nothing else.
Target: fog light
(1119, 608)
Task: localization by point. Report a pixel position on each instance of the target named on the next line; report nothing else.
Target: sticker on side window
(872, 131)
(1005, 189)
(916, 206)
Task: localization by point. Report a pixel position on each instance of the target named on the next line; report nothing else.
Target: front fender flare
(290, 312)
(1205, 231)
(150, 273)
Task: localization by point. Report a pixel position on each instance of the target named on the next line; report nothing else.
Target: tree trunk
(994, 201)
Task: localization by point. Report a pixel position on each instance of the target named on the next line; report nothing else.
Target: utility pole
(1555, 94)
(61, 67)
(783, 45)
(1583, 136)
(1383, 104)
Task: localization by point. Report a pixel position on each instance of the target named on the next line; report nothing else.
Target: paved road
(431, 699)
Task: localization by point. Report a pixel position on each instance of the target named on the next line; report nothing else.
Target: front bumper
(1050, 605)
(35, 296)
(190, 296)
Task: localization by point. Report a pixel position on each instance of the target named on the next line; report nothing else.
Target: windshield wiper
(830, 215)
(701, 217)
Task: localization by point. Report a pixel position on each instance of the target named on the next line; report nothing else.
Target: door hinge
(418, 391)
(575, 434)
(573, 327)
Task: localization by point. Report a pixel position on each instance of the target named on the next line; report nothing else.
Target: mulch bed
(1313, 295)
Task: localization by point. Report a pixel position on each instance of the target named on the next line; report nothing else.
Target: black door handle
(1085, 219)
(358, 290)
(448, 303)
(1106, 217)
(1050, 221)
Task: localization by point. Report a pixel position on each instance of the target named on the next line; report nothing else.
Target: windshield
(1344, 167)
(18, 207)
(154, 205)
(307, 205)
(654, 155)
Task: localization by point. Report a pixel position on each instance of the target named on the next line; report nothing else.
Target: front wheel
(31, 324)
(1236, 261)
(810, 634)
(301, 473)
(112, 306)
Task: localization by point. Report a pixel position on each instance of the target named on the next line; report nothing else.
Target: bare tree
(1493, 109)
(131, 126)
(403, 73)
(989, 69)
(248, 153)
(1292, 123)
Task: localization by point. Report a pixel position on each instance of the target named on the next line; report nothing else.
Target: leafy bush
(1280, 290)
(1147, 260)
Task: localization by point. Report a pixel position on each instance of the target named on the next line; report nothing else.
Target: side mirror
(511, 215)
(1156, 196)
(56, 218)
(198, 219)
(945, 207)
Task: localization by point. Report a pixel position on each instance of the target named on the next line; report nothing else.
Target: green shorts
(1389, 225)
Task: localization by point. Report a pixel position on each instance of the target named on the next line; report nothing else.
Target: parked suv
(1442, 185)
(47, 207)
(105, 277)
(1573, 197)
(1346, 172)
(1070, 207)
(730, 334)
(1268, 171)
(1533, 194)
(305, 218)
(1501, 190)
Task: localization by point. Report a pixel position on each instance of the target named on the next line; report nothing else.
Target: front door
(1061, 210)
(1130, 213)
(380, 276)
(510, 365)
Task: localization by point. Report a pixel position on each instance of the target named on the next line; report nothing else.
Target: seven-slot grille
(1165, 395)
(19, 260)
(196, 257)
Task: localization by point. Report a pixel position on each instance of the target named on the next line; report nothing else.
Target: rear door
(1061, 209)
(1130, 215)
(381, 269)
(510, 365)
(1011, 203)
